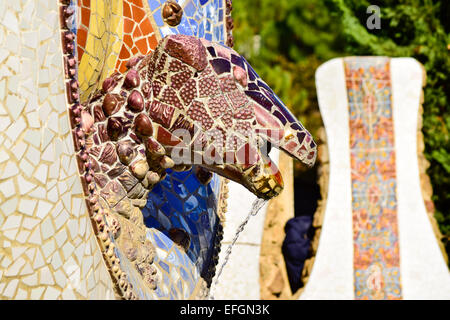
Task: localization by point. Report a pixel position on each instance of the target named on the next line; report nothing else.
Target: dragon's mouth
(255, 170)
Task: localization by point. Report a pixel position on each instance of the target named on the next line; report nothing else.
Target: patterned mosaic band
(373, 174)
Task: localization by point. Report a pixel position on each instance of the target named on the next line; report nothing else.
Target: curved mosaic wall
(108, 33)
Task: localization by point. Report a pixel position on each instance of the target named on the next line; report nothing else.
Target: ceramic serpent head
(191, 102)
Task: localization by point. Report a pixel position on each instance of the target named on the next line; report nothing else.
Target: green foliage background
(286, 40)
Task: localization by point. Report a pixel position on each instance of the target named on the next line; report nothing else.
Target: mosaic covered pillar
(376, 240)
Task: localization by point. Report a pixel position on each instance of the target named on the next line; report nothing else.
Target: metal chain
(256, 206)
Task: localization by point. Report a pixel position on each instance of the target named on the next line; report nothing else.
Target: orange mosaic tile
(138, 12)
(376, 257)
(139, 36)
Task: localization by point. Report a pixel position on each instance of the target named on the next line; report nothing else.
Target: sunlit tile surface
(181, 201)
(201, 18)
(47, 246)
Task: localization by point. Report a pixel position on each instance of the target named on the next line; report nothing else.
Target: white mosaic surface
(332, 273)
(47, 246)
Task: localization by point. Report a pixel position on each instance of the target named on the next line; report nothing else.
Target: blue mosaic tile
(180, 286)
(165, 222)
(166, 280)
(208, 26)
(165, 31)
(154, 4)
(169, 243)
(159, 243)
(217, 33)
(196, 249)
(175, 222)
(209, 236)
(191, 286)
(189, 9)
(167, 183)
(157, 195)
(173, 293)
(201, 31)
(165, 266)
(192, 227)
(184, 27)
(194, 26)
(185, 226)
(166, 207)
(151, 209)
(184, 274)
(180, 189)
(211, 211)
(198, 16)
(205, 221)
(191, 203)
(152, 223)
(176, 203)
(172, 259)
(180, 256)
(194, 215)
(202, 240)
(159, 293)
(203, 191)
(192, 184)
(187, 263)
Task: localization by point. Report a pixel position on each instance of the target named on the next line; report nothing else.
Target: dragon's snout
(225, 110)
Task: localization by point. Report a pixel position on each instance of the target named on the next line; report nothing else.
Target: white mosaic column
(332, 273)
(47, 246)
(424, 273)
(240, 277)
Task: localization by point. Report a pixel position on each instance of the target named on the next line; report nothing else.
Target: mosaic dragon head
(194, 102)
